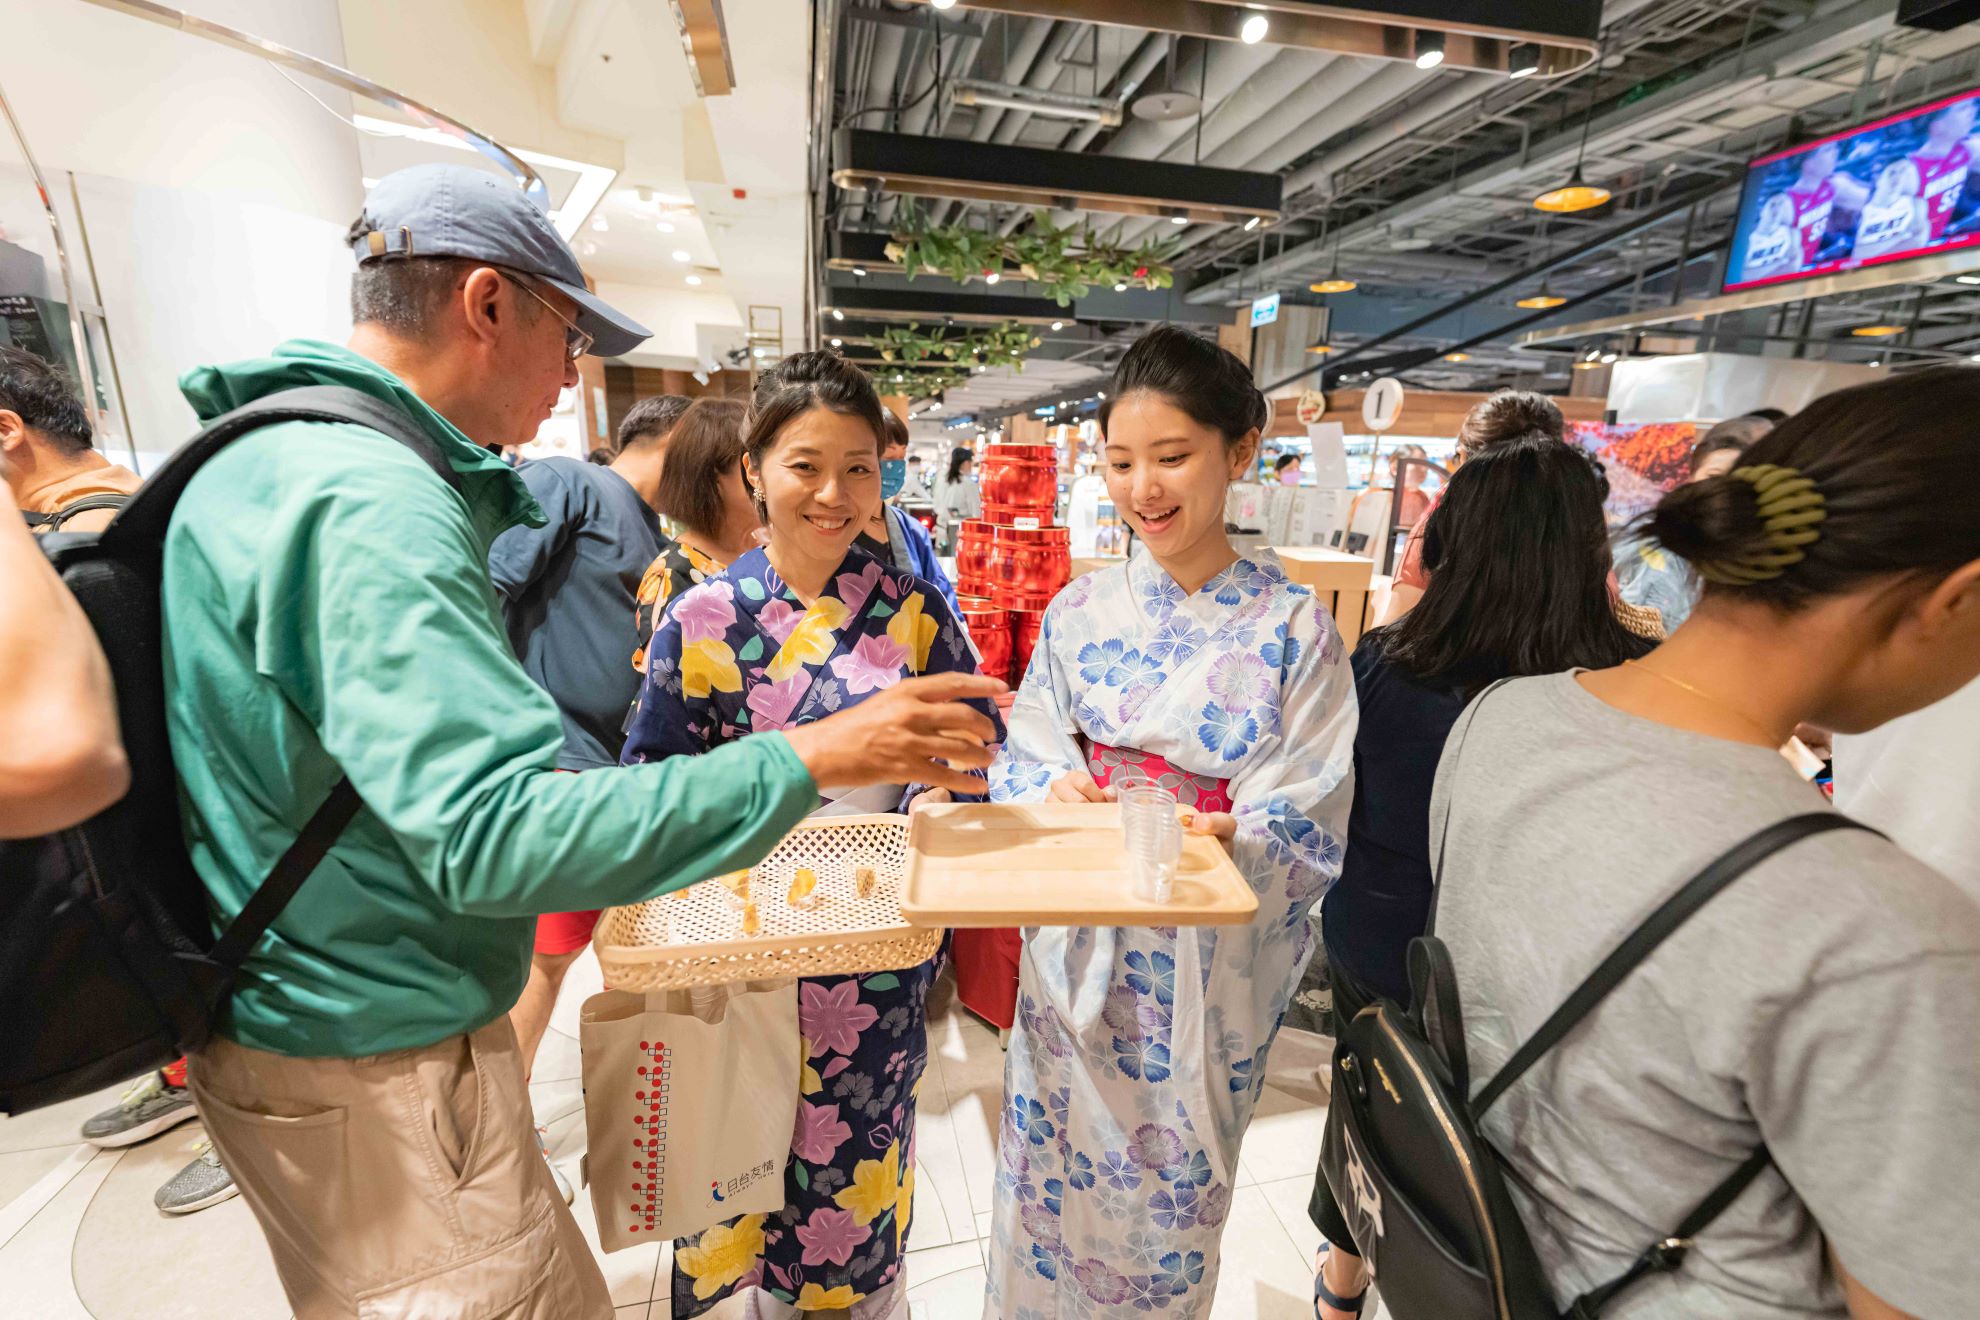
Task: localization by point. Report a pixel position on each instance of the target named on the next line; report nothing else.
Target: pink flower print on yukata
(820, 1132)
(830, 1236)
(875, 664)
(707, 612)
(832, 1016)
(773, 703)
(780, 619)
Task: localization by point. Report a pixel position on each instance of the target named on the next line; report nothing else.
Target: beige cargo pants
(403, 1186)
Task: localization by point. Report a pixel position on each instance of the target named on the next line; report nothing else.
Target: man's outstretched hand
(916, 732)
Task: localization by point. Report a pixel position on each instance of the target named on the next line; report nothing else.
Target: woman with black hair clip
(1826, 1004)
(1139, 1053)
(1517, 554)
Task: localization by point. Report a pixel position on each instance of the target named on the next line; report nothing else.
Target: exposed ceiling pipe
(1043, 74)
(956, 58)
(1111, 53)
(885, 67)
(1146, 58)
(1461, 93)
(1017, 70)
(1334, 104)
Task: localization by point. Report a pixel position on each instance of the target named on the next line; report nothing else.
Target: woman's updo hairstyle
(1509, 415)
(1863, 483)
(797, 385)
(1206, 381)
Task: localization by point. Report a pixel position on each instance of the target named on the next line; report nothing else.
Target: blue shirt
(569, 590)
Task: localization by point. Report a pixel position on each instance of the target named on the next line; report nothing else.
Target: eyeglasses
(576, 342)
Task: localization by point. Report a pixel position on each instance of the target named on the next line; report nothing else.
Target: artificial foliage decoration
(1064, 263)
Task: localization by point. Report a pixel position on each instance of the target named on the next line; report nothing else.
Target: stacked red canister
(1010, 564)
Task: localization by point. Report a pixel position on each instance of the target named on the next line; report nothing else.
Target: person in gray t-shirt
(1827, 1004)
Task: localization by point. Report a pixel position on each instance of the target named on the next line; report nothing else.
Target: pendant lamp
(1577, 194)
(1334, 283)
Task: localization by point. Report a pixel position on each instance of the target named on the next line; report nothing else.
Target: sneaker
(564, 1188)
(202, 1183)
(148, 1107)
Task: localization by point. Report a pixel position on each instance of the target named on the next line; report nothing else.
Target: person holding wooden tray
(1139, 1053)
(783, 637)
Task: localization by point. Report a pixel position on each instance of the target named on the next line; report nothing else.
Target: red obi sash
(1199, 792)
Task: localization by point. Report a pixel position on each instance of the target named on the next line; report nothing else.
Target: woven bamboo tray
(694, 936)
(1055, 864)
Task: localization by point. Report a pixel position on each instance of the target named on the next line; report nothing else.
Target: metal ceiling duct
(705, 42)
(1477, 34)
(1031, 176)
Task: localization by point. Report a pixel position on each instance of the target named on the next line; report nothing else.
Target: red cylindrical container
(1031, 561)
(975, 572)
(1021, 477)
(990, 628)
(1024, 637)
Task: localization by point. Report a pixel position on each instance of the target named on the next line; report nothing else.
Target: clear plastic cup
(1154, 840)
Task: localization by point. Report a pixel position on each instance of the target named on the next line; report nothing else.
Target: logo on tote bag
(650, 1150)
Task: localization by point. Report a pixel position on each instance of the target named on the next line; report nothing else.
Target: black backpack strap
(294, 866)
(1638, 944)
(1669, 1254)
(144, 519)
(87, 504)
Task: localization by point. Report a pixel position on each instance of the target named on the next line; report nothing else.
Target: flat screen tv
(1890, 190)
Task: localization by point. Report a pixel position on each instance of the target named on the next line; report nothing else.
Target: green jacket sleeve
(377, 620)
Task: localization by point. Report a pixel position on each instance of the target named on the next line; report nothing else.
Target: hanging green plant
(1064, 263)
(955, 355)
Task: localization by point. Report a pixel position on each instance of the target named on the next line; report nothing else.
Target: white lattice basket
(695, 936)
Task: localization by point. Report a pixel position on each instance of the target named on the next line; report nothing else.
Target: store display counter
(1341, 581)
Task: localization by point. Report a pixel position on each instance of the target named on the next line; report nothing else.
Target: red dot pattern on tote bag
(650, 1151)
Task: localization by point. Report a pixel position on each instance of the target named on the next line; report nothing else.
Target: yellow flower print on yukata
(815, 1298)
(904, 1215)
(708, 665)
(876, 1186)
(809, 1082)
(914, 631)
(724, 1254)
(812, 641)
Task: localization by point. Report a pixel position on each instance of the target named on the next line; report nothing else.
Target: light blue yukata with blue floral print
(1139, 1053)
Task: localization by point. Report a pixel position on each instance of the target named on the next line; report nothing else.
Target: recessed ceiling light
(1607, 358)
(600, 225)
(1183, 219)
(1523, 60)
(1254, 29)
(694, 279)
(1253, 223)
(943, 4)
(1429, 49)
(763, 352)
(1966, 279)
(838, 315)
(837, 342)
(1457, 357)
(993, 277)
(1058, 325)
(859, 272)
(664, 227)
(1877, 331)
(682, 254)
(1121, 287)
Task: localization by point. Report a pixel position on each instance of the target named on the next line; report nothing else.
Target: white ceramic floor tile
(630, 1274)
(22, 1189)
(124, 1246)
(35, 1264)
(1263, 1277)
(1288, 1198)
(942, 1211)
(638, 1311)
(1284, 1136)
(974, 1116)
(56, 1125)
(581, 981)
(557, 1058)
(954, 1294)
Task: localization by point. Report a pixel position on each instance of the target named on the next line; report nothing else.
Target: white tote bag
(690, 1100)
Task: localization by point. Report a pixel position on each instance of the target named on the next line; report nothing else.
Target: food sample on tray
(865, 881)
(737, 883)
(804, 888)
(751, 921)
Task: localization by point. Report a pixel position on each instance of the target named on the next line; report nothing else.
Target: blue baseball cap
(460, 211)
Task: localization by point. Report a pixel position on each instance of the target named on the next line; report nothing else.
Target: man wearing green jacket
(328, 613)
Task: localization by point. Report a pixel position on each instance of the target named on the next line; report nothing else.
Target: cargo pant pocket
(530, 1276)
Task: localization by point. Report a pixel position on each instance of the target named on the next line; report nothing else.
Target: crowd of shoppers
(559, 685)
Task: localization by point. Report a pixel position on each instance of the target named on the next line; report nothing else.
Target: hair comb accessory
(1791, 509)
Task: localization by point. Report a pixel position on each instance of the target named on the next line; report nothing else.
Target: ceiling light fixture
(1183, 219)
(694, 279)
(838, 315)
(1457, 357)
(1321, 349)
(1877, 331)
(1966, 279)
(1577, 194)
(682, 254)
(1058, 325)
(1334, 283)
(664, 227)
(1254, 29)
(1121, 287)
(600, 225)
(1541, 300)
(993, 277)
(1523, 60)
(837, 342)
(1587, 365)
(1429, 48)
(1607, 358)
(942, 4)
(859, 272)
(1033, 101)
(1253, 223)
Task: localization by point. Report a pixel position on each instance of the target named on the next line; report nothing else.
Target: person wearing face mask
(1139, 1054)
(892, 535)
(807, 625)
(1287, 469)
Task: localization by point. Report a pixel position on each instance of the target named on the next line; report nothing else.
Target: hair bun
(1710, 523)
(1204, 379)
(1508, 415)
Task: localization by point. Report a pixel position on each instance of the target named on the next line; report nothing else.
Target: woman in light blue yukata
(1139, 1054)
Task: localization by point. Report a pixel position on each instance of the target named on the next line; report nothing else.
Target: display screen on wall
(1642, 461)
(1891, 189)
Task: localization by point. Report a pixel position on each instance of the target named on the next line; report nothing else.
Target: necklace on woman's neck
(1723, 706)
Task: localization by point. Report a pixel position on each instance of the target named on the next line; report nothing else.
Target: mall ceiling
(1418, 184)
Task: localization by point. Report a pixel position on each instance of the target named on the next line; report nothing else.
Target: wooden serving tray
(1055, 864)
